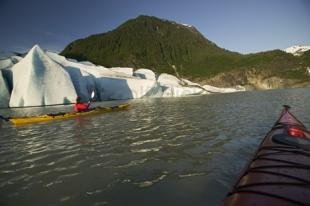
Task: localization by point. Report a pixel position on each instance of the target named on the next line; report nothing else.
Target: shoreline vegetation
(154, 43)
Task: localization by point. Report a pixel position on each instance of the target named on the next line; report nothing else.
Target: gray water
(167, 151)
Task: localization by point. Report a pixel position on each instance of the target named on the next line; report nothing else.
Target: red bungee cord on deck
(295, 132)
(292, 130)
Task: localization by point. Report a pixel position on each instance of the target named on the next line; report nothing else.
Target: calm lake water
(167, 151)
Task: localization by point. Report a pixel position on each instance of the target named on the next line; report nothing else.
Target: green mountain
(150, 42)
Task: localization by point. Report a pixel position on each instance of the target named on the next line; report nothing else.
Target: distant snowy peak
(178, 23)
(297, 50)
(187, 25)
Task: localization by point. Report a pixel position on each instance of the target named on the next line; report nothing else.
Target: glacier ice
(124, 70)
(4, 92)
(38, 80)
(174, 87)
(9, 61)
(109, 84)
(223, 90)
(47, 78)
(145, 74)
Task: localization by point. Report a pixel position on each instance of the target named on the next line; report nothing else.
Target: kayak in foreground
(58, 116)
(279, 173)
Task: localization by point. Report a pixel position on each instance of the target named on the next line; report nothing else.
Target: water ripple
(149, 183)
(159, 147)
(145, 141)
(143, 150)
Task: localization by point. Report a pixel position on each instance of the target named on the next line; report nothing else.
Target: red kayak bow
(279, 173)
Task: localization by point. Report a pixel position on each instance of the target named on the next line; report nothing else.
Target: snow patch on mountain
(187, 25)
(297, 50)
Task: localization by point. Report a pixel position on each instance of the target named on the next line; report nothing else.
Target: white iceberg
(168, 80)
(145, 74)
(124, 70)
(111, 88)
(9, 61)
(87, 63)
(38, 80)
(4, 92)
(109, 84)
(213, 89)
(174, 87)
(86, 69)
(82, 79)
(123, 83)
(47, 78)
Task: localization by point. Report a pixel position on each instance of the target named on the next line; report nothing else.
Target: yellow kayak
(51, 117)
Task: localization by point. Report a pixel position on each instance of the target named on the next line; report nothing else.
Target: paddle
(91, 96)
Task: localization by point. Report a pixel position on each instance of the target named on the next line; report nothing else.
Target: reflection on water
(183, 151)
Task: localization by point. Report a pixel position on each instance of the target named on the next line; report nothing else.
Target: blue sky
(245, 26)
